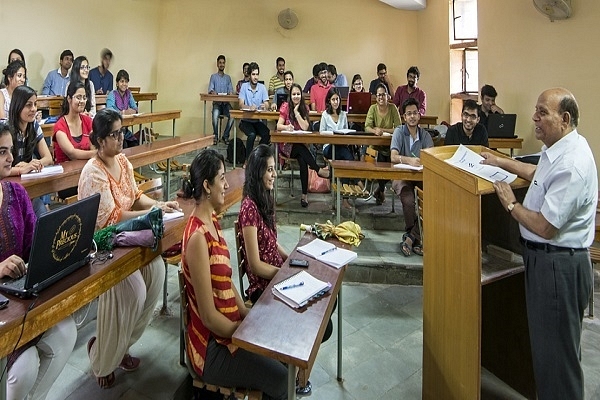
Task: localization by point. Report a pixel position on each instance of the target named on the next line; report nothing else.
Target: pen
(293, 286)
(329, 251)
(413, 154)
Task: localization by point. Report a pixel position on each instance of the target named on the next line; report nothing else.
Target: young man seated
(469, 131)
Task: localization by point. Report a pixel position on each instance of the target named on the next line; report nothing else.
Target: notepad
(297, 290)
(46, 171)
(328, 253)
(167, 216)
(410, 167)
(344, 131)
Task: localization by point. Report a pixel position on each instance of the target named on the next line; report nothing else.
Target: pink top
(83, 144)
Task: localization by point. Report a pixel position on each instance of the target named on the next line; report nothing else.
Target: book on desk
(297, 290)
(328, 253)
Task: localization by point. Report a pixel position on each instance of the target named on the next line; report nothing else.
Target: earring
(208, 196)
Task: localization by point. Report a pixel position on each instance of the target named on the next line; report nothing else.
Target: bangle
(400, 159)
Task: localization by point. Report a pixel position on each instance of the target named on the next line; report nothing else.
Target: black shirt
(456, 135)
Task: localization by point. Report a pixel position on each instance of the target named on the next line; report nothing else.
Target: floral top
(284, 112)
(267, 243)
(116, 195)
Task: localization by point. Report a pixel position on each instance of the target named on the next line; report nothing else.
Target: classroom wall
(522, 53)
(197, 31)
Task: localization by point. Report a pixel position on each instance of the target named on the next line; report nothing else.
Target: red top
(83, 144)
(223, 294)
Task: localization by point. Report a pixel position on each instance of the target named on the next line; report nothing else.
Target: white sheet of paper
(467, 160)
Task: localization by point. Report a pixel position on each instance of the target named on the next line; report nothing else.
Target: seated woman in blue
(121, 98)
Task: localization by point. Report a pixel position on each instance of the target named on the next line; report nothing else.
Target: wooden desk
(271, 326)
(101, 99)
(138, 156)
(204, 97)
(506, 143)
(134, 119)
(369, 170)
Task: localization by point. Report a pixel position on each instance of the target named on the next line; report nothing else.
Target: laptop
(281, 98)
(344, 90)
(501, 125)
(359, 102)
(62, 241)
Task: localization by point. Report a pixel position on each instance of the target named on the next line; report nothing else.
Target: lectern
(474, 313)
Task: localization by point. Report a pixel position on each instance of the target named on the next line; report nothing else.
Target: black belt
(548, 248)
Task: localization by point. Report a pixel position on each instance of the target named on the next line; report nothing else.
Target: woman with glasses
(80, 72)
(357, 84)
(125, 309)
(293, 115)
(382, 118)
(14, 75)
(30, 151)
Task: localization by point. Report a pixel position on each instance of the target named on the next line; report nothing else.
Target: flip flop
(407, 247)
(105, 382)
(129, 363)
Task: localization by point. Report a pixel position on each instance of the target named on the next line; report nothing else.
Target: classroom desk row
(55, 102)
(132, 120)
(138, 156)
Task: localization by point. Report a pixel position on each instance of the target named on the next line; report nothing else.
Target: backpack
(240, 156)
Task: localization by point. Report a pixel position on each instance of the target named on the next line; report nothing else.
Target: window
(464, 17)
(464, 76)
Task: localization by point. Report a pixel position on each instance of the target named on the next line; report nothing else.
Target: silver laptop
(62, 241)
(501, 125)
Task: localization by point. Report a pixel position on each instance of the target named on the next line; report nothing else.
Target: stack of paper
(467, 160)
(297, 290)
(328, 253)
(296, 131)
(46, 171)
(410, 167)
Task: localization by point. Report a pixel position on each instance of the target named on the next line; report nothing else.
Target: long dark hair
(73, 87)
(254, 187)
(19, 99)
(12, 69)
(102, 125)
(302, 108)
(16, 51)
(205, 166)
(76, 77)
(333, 91)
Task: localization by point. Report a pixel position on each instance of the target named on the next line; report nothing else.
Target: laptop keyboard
(17, 283)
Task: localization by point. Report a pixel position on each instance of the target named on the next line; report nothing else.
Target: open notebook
(297, 290)
(328, 253)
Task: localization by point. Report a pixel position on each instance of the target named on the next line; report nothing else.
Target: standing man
(337, 80)
(56, 81)
(411, 90)
(101, 76)
(253, 96)
(469, 131)
(382, 77)
(556, 221)
(246, 77)
(488, 104)
(220, 82)
(318, 91)
(277, 80)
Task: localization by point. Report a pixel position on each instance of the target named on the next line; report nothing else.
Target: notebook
(62, 241)
(297, 290)
(281, 98)
(501, 125)
(328, 253)
(359, 102)
(344, 90)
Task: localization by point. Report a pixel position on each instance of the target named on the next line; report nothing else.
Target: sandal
(129, 363)
(407, 244)
(303, 203)
(418, 250)
(105, 382)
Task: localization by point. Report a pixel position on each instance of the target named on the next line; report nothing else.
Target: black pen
(293, 286)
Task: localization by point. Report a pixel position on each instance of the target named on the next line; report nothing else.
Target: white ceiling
(406, 4)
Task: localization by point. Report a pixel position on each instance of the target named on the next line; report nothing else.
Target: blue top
(55, 84)
(104, 82)
(253, 97)
(220, 84)
(111, 100)
(340, 81)
(404, 144)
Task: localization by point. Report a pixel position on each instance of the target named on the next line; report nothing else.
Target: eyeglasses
(117, 134)
(80, 97)
(381, 95)
(411, 113)
(85, 67)
(472, 117)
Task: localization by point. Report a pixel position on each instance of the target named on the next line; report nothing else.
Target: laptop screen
(501, 125)
(359, 102)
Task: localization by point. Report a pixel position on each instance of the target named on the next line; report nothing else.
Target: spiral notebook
(328, 253)
(297, 290)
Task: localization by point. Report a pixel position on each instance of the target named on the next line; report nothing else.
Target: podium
(474, 312)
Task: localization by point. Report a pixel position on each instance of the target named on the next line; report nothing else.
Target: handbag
(316, 184)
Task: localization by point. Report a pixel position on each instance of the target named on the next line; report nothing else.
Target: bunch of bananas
(347, 232)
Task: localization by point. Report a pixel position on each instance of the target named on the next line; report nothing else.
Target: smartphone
(3, 302)
(296, 262)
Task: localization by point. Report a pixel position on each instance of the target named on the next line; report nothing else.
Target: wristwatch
(511, 206)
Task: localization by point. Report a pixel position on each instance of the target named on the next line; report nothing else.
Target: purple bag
(144, 238)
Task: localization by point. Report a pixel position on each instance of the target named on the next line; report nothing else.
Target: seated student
(35, 365)
(276, 81)
(100, 76)
(253, 95)
(57, 80)
(30, 151)
(318, 91)
(220, 82)
(14, 75)
(263, 254)
(357, 86)
(382, 117)
(337, 80)
(382, 78)
(126, 308)
(488, 104)
(80, 72)
(469, 131)
(121, 99)
(314, 80)
(411, 90)
(15, 55)
(215, 307)
(245, 79)
(293, 115)
(407, 142)
(288, 79)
